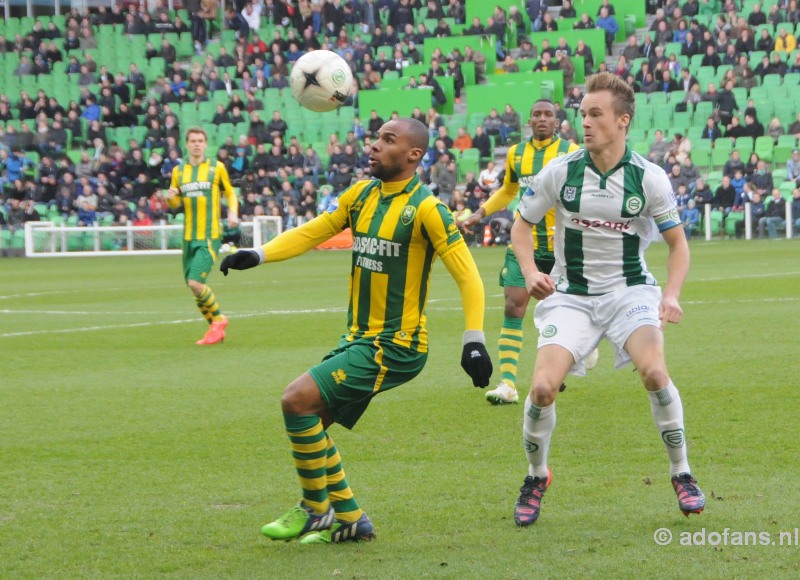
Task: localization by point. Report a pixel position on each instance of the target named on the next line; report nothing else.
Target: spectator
(774, 216)
(659, 148)
(488, 179)
(757, 211)
(752, 127)
(690, 218)
(712, 130)
(608, 23)
(724, 196)
(568, 132)
(464, 141)
(793, 168)
(510, 123)
(482, 142)
(493, 124)
(762, 179)
(775, 129)
(701, 193)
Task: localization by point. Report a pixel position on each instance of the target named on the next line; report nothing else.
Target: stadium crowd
(65, 160)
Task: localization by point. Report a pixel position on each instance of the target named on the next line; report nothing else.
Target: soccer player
(198, 185)
(523, 161)
(608, 202)
(399, 228)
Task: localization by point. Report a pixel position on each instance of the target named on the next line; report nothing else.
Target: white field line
(294, 313)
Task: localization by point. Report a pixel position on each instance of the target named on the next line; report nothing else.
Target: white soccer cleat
(591, 361)
(503, 394)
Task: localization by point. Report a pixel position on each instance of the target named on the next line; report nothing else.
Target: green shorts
(511, 275)
(198, 259)
(349, 376)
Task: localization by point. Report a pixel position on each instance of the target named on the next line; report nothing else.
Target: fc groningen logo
(530, 447)
(549, 331)
(673, 438)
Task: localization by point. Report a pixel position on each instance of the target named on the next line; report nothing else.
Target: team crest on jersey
(339, 375)
(634, 205)
(570, 193)
(407, 216)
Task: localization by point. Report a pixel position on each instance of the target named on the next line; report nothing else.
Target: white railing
(46, 239)
(748, 222)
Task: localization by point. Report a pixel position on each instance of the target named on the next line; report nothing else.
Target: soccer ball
(321, 80)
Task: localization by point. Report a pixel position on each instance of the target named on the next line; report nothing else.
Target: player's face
(602, 126)
(391, 152)
(543, 121)
(196, 143)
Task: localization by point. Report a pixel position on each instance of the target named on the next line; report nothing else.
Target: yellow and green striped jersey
(396, 237)
(398, 230)
(524, 161)
(199, 187)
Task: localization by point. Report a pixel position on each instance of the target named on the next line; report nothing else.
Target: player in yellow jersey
(198, 185)
(524, 160)
(399, 227)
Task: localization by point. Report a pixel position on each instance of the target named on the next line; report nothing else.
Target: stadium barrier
(46, 239)
(713, 222)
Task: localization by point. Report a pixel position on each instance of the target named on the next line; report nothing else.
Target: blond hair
(199, 130)
(624, 100)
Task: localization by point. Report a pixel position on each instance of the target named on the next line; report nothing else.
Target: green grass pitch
(127, 451)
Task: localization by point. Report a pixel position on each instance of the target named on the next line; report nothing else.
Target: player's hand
(669, 311)
(233, 221)
(474, 218)
(475, 360)
(172, 192)
(241, 260)
(540, 285)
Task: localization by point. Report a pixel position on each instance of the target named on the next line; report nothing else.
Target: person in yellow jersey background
(198, 184)
(399, 228)
(523, 161)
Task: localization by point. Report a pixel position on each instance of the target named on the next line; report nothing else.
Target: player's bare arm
(538, 284)
(677, 270)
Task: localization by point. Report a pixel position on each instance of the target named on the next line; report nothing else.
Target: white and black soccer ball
(321, 81)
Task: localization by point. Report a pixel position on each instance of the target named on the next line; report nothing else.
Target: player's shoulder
(561, 163)
(638, 160)
(517, 149)
(653, 175)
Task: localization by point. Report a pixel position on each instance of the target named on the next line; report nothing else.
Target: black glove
(476, 362)
(241, 260)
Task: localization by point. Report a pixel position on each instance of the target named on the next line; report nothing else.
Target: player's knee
(291, 403)
(515, 308)
(543, 392)
(654, 376)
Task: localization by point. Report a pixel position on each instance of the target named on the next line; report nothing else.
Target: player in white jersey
(607, 201)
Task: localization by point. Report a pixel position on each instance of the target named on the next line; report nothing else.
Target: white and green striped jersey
(604, 221)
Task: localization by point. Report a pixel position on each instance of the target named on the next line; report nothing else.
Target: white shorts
(578, 323)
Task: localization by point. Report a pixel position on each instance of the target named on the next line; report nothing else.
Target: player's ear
(415, 154)
(624, 121)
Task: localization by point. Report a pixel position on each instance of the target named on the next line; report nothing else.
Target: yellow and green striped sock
(510, 345)
(207, 303)
(310, 452)
(339, 493)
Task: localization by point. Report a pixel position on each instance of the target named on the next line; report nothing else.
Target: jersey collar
(543, 144)
(603, 176)
(409, 187)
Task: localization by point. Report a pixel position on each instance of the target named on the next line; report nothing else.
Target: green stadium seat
(731, 221)
(659, 99)
(782, 153)
(720, 155)
(763, 148)
(745, 146)
(469, 162)
(786, 188)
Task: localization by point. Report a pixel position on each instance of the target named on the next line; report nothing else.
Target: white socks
(537, 427)
(668, 416)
